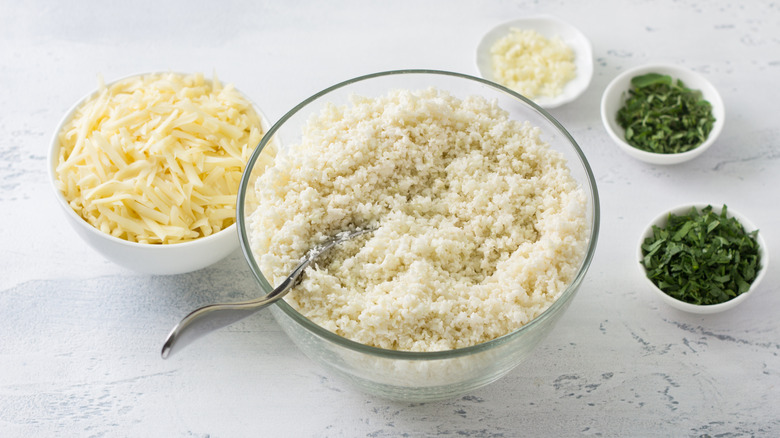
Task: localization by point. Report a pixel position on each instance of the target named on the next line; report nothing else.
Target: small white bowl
(145, 258)
(661, 220)
(616, 94)
(548, 27)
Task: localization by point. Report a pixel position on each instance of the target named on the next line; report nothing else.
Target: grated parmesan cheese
(532, 65)
(479, 224)
(158, 158)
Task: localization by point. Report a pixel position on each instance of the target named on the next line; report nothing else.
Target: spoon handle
(215, 316)
(207, 319)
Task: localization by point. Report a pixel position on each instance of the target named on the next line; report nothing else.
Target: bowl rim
(661, 219)
(583, 50)
(53, 157)
(702, 83)
(321, 332)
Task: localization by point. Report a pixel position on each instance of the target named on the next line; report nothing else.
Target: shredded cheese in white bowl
(542, 58)
(156, 160)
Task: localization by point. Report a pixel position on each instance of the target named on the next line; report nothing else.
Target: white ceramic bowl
(154, 259)
(616, 94)
(548, 27)
(660, 221)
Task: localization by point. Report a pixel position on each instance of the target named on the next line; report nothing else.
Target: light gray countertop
(80, 337)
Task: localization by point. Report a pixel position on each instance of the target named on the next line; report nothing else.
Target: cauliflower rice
(479, 224)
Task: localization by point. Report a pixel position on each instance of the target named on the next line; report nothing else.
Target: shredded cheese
(158, 158)
(527, 62)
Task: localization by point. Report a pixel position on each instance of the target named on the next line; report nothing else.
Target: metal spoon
(215, 316)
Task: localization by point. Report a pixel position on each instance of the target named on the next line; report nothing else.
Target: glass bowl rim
(341, 341)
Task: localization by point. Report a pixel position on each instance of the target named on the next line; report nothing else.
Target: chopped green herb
(702, 257)
(662, 115)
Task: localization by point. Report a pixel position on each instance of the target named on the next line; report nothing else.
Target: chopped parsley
(662, 115)
(702, 257)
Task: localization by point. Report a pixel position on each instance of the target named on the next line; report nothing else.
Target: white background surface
(80, 337)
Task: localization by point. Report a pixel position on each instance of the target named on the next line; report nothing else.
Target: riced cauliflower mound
(479, 224)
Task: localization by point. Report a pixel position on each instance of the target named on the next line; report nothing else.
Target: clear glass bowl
(404, 375)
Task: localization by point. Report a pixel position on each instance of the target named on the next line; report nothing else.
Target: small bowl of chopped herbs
(702, 259)
(662, 114)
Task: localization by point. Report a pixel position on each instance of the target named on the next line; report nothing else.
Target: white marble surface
(80, 337)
